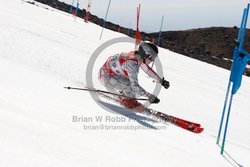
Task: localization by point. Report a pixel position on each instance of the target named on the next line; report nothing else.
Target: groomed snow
(42, 50)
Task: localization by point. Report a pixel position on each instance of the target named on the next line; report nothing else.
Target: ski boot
(132, 104)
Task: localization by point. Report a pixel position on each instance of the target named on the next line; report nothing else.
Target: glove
(153, 99)
(164, 83)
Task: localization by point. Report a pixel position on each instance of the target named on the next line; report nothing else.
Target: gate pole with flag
(240, 60)
(86, 17)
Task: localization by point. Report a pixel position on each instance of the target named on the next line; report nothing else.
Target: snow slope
(43, 50)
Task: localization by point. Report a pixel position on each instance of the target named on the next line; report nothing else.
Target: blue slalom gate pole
(240, 59)
(159, 37)
(244, 24)
(71, 8)
(105, 19)
(77, 7)
(223, 113)
(225, 131)
(239, 39)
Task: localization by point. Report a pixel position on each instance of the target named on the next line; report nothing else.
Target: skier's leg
(119, 84)
(123, 84)
(116, 84)
(108, 82)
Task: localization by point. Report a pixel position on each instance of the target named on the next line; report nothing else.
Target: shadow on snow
(143, 120)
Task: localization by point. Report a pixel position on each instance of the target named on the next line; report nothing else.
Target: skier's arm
(154, 75)
(132, 68)
(150, 72)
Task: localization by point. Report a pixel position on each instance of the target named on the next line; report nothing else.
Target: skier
(119, 74)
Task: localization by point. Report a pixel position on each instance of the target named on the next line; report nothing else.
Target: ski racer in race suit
(119, 74)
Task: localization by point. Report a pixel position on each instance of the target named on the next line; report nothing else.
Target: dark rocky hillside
(213, 45)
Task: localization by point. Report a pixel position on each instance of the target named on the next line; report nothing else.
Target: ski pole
(102, 91)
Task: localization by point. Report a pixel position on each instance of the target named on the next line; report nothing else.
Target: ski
(184, 124)
(176, 119)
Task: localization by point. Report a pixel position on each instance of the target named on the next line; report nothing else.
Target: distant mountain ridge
(214, 45)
